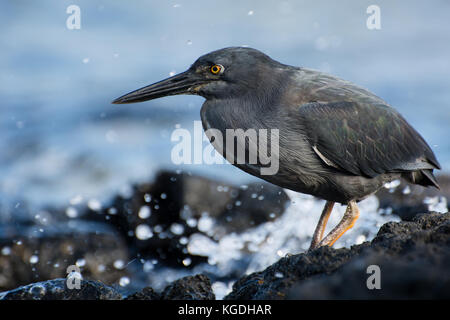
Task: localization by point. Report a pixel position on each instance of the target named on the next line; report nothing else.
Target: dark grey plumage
(337, 141)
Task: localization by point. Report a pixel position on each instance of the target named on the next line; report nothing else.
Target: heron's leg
(320, 228)
(347, 222)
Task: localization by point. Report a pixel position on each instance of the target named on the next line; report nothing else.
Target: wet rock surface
(196, 287)
(189, 288)
(413, 258)
(145, 294)
(143, 234)
(35, 253)
(57, 290)
(158, 218)
(144, 228)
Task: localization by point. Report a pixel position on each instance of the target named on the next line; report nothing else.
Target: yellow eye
(216, 69)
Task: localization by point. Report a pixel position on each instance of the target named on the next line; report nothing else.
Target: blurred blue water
(61, 137)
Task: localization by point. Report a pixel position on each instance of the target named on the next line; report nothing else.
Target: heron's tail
(423, 177)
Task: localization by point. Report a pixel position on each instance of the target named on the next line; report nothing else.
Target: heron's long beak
(178, 84)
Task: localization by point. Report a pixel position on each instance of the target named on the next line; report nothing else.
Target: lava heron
(336, 141)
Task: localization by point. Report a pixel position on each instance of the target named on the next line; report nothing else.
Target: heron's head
(225, 73)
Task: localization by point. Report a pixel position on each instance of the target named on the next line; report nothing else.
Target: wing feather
(365, 139)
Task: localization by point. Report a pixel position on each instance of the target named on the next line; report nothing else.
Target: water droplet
(34, 259)
(143, 232)
(406, 190)
(71, 212)
(6, 251)
(94, 205)
(162, 235)
(147, 198)
(279, 275)
(251, 12)
(119, 264)
(124, 281)
(37, 291)
(205, 223)
(187, 262)
(360, 239)
(191, 222)
(392, 185)
(177, 228)
(80, 263)
(144, 212)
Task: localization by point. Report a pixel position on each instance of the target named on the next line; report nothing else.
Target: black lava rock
(413, 258)
(57, 290)
(175, 200)
(146, 294)
(39, 253)
(196, 287)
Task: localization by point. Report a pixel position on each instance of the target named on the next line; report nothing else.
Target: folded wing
(365, 140)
